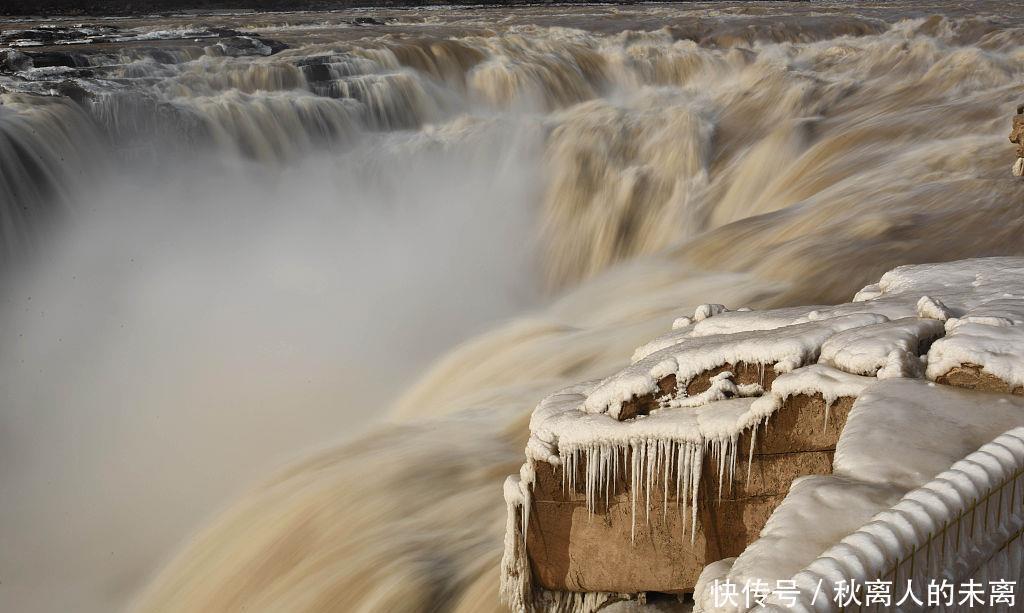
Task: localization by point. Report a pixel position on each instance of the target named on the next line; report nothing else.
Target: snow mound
(997, 349)
(892, 347)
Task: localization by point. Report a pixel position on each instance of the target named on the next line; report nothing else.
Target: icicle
(679, 470)
(592, 466)
(669, 447)
(566, 464)
(719, 456)
(683, 478)
(695, 468)
(525, 513)
(603, 475)
(634, 482)
(648, 460)
(605, 472)
(576, 457)
(614, 473)
(581, 458)
(594, 469)
(589, 484)
(828, 407)
(576, 470)
(569, 468)
(750, 453)
(565, 474)
(733, 453)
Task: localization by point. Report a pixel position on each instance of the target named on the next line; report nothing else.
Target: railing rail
(937, 557)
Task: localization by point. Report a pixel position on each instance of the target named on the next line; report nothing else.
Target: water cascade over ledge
(221, 254)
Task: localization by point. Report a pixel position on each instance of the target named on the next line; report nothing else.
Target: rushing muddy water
(219, 254)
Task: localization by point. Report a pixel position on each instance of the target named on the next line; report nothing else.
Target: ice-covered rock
(893, 346)
(1017, 137)
(635, 482)
(983, 348)
(979, 356)
(886, 328)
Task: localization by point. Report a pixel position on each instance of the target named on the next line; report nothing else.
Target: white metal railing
(953, 544)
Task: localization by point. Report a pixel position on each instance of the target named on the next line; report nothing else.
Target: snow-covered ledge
(919, 539)
(640, 441)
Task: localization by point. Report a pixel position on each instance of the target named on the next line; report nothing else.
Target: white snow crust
(905, 432)
(784, 349)
(892, 347)
(905, 312)
(998, 349)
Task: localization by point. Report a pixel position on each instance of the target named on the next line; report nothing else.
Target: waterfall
(403, 236)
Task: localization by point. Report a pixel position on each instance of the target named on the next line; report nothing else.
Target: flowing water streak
(38, 140)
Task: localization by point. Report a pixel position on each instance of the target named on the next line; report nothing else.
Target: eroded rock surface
(1017, 137)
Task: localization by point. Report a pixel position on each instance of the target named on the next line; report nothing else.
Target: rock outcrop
(636, 483)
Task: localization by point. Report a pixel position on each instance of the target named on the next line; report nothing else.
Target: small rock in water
(14, 61)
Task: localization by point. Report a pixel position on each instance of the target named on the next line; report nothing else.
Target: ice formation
(902, 431)
(889, 349)
(882, 332)
(781, 349)
(664, 448)
(998, 349)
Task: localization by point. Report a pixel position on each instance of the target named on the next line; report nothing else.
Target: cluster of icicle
(673, 465)
(517, 589)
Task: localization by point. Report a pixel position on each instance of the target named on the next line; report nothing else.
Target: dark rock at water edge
(14, 61)
(166, 7)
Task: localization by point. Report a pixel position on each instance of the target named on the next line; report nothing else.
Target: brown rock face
(803, 423)
(1017, 133)
(643, 405)
(743, 374)
(972, 377)
(571, 549)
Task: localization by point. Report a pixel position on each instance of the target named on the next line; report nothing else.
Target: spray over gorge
(280, 290)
